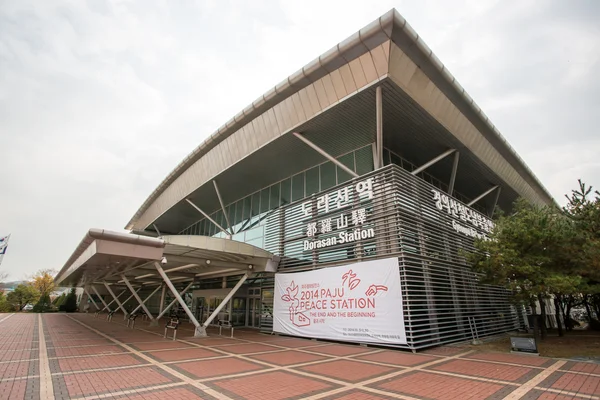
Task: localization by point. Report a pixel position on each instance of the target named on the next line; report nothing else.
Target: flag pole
(4, 247)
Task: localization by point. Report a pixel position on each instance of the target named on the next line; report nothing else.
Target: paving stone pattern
(90, 358)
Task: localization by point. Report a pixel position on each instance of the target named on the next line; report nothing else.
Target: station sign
(352, 222)
(466, 220)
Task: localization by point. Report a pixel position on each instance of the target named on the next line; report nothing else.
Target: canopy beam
(481, 196)
(115, 297)
(433, 161)
(171, 304)
(199, 332)
(208, 217)
(325, 154)
(225, 300)
(453, 175)
(139, 300)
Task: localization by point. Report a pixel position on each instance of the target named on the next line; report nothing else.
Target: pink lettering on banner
(361, 302)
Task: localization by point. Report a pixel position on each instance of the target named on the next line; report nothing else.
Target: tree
(4, 305)
(21, 296)
(583, 209)
(542, 252)
(43, 281)
(526, 254)
(70, 304)
(43, 305)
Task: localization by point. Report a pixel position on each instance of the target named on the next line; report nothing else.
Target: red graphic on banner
(373, 289)
(353, 281)
(297, 318)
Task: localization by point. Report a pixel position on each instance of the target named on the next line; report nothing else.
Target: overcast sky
(99, 100)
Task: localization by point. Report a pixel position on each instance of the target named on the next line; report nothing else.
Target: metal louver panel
(406, 217)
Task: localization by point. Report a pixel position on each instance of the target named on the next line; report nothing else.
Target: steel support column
(453, 175)
(100, 297)
(167, 308)
(126, 300)
(481, 196)
(153, 322)
(433, 161)
(157, 231)
(208, 217)
(91, 298)
(162, 300)
(223, 207)
(119, 295)
(379, 135)
(493, 208)
(325, 154)
(225, 300)
(115, 297)
(199, 331)
(139, 300)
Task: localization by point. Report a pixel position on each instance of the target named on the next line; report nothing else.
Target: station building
(338, 205)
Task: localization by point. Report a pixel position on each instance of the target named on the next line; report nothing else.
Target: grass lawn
(574, 344)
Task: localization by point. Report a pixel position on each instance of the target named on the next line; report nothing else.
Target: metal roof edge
(104, 234)
(372, 35)
(390, 26)
(413, 45)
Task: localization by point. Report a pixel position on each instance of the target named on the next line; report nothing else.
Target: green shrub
(43, 305)
(70, 303)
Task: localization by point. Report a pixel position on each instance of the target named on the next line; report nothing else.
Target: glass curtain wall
(248, 215)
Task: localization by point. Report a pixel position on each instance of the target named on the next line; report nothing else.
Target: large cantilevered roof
(386, 49)
(105, 256)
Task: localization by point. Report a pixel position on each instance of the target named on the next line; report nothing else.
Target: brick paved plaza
(78, 356)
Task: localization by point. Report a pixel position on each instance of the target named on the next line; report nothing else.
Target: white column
(199, 331)
(153, 321)
(379, 135)
(167, 308)
(162, 300)
(100, 297)
(137, 297)
(115, 297)
(127, 299)
(225, 300)
(119, 295)
(91, 298)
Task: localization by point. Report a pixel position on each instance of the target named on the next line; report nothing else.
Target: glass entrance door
(254, 313)
(211, 305)
(238, 311)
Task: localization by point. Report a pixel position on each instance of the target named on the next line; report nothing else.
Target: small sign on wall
(523, 345)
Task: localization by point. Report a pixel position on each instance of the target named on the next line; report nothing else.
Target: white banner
(359, 302)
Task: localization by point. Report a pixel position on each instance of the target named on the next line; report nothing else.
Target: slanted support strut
(208, 217)
(325, 154)
(199, 332)
(92, 299)
(171, 304)
(433, 161)
(225, 301)
(100, 297)
(139, 300)
(481, 196)
(453, 175)
(117, 300)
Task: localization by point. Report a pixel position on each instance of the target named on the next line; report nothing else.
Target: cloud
(100, 100)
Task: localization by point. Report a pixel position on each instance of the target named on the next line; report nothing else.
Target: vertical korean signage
(349, 226)
(465, 220)
(357, 302)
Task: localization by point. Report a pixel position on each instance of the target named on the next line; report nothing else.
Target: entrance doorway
(254, 307)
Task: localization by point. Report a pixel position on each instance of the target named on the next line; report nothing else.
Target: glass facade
(249, 214)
